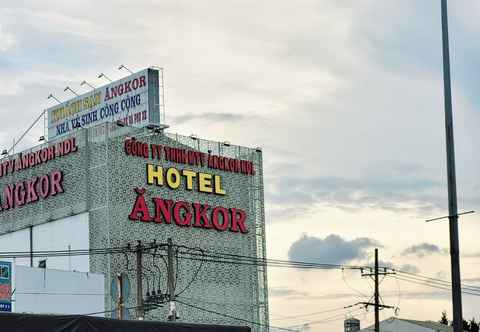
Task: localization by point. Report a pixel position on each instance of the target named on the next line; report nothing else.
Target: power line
(65, 294)
(434, 285)
(348, 285)
(327, 319)
(236, 318)
(439, 282)
(312, 313)
(223, 303)
(248, 260)
(109, 311)
(205, 257)
(192, 280)
(436, 280)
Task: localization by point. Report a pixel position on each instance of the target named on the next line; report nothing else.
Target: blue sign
(6, 307)
(6, 286)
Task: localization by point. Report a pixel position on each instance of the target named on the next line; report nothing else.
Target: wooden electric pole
(376, 303)
(121, 296)
(376, 295)
(172, 315)
(140, 308)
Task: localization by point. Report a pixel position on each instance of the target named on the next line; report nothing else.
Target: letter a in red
(140, 208)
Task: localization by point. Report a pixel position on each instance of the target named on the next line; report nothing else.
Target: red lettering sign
(186, 214)
(25, 161)
(136, 148)
(30, 191)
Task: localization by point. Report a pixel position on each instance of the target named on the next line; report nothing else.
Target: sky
(344, 97)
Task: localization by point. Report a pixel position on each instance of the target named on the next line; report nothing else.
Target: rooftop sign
(133, 99)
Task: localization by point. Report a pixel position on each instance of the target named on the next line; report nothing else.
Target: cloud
(231, 118)
(285, 292)
(414, 195)
(410, 268)
(332, 250)
(433, 295)
(293, 294)
(7, 40)
(424, 249)
(442, 275)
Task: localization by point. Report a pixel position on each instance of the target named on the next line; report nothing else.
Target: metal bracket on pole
(448, 217)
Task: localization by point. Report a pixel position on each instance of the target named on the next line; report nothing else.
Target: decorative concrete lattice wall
(100, 179)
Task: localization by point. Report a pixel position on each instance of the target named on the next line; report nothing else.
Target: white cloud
(7, 40)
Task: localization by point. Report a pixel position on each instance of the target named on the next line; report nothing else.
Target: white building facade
(407, 325)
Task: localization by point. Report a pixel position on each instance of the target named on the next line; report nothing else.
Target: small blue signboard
(5, 307)
(6, 286)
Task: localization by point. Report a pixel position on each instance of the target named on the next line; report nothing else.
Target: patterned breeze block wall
(100, 178)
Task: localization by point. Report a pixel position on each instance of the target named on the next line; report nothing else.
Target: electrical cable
(311, 314)
(223, 303)
(328, 319)
(436, 280)
(265, 261)
(159, 271)
(442, 284)
(399, 291)
(353, 289)
(423, 284)
(109, 311)
(233, 317)
(436, 286)
(62, 294)
(193, 278)
(225, 259)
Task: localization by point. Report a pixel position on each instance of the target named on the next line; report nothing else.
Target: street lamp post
(452, 186)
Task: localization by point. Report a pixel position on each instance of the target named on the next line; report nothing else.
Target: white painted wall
(16, 241)
(47, 291)
(58, 235)
(55, 235)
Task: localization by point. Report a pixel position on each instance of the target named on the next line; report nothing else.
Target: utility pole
(376, 295)
(140, 308)
(31, 245)
(452, 185)
(172, 315)
(376, 304)
(120, 298)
